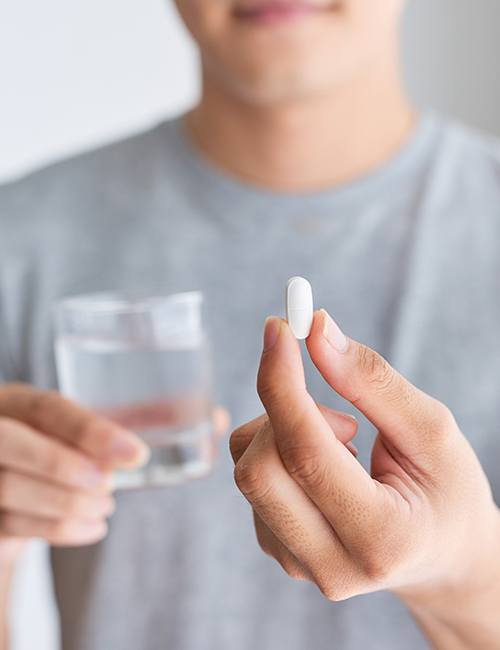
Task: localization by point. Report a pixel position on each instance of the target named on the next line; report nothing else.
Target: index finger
(328, 473)
(49, 412)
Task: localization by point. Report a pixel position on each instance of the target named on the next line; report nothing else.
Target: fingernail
(352, 448)
(333, 334)
(129, 450)
(350, 417)
(92, 477)
(86, 532)
(272, 329)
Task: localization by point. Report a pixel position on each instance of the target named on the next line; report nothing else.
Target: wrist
(463, 608)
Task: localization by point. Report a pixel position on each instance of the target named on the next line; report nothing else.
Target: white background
(74, 74)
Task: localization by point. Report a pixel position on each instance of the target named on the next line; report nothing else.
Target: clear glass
(144, 363)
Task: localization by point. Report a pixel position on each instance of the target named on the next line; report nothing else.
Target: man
(302, 157)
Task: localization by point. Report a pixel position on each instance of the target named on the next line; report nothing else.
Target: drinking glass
(144, 363)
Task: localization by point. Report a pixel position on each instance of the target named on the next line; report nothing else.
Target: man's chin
(279, 86)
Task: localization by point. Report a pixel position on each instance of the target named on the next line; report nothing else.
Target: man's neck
(307, 145)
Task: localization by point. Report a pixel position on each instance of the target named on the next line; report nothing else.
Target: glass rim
(118, 302)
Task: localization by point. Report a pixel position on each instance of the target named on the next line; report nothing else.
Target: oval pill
(299, 306)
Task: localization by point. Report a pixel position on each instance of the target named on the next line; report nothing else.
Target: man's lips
(275, 11)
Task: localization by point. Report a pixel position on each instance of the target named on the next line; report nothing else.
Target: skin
(272, 113)
(422, 524)
(56, 460)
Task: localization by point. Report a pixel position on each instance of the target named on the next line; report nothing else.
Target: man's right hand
(55, 464)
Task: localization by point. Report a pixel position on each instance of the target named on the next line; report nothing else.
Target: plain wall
(74, 74)
(452, 58)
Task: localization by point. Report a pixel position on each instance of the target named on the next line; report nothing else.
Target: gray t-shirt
(407, 259)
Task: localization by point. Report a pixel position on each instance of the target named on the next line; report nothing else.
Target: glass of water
(144, 363)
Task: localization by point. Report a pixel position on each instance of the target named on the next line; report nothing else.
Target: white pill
(299, 306)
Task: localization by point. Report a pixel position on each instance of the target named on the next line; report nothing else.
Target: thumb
(406, 417)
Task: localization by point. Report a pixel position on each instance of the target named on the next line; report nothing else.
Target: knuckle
(333, 590)
(375, 368)
(236, 442)
(304, 465)
(250, 481)
(292, 568)
(234, 447)
(444, 420)
(241, 437)
(247, 478)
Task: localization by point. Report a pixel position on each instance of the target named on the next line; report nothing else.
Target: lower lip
(275, 15)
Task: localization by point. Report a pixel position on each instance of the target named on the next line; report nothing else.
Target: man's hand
(55, 460)
(423, 523)
(55, 463)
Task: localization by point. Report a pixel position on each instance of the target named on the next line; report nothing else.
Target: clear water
(162, 394)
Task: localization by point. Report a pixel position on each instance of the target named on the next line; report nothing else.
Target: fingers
(49, 490)
(106, 442)
(406, 417)
(28, 496)
(271, 545)
(294, 520)
(243, 436)
(66, 532)
(25, 450)
(344, 427)
(317, 461)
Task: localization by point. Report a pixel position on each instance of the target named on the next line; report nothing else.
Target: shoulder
(460, 196)
(459, 206)
(108, 174)
(468, 161)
